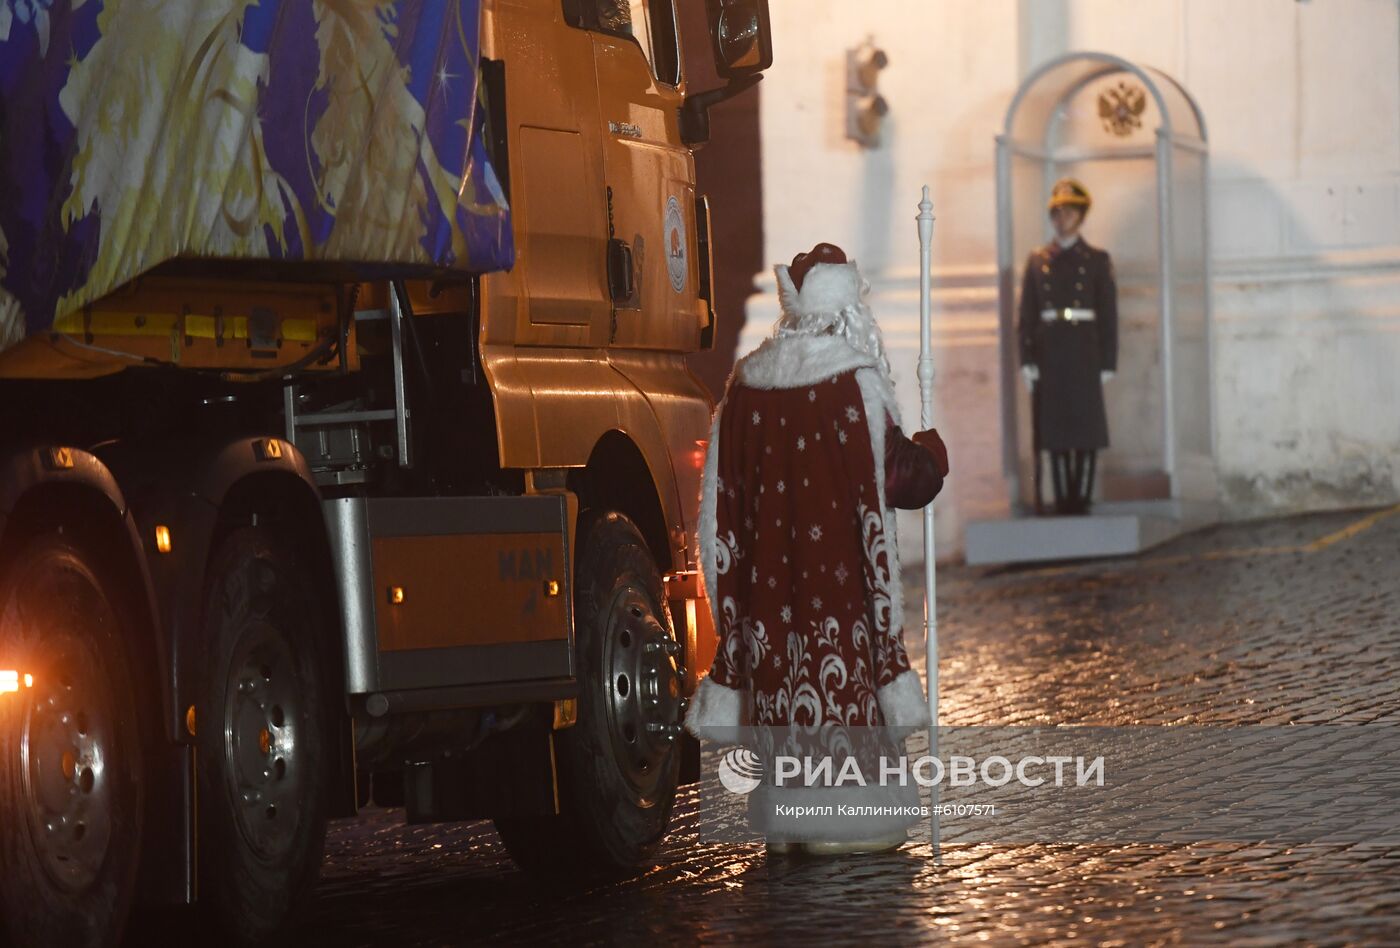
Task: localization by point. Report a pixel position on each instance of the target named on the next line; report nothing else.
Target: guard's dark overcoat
(1070, 354)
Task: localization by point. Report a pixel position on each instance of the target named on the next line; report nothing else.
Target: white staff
(925, 220)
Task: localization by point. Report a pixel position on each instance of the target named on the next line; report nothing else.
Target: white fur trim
(903, 703)
(713, 710)
(787, 292)
(708, 526)
(875, 386)
(828, 288)
(793, 361)
(878, 396)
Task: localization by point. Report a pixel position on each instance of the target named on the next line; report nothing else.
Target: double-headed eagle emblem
(1121, 109)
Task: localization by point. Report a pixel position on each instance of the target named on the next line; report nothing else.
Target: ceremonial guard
(1068, 332)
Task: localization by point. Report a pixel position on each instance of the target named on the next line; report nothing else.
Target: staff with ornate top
(925, 220)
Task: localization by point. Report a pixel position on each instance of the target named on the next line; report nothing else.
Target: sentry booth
(1137, 141)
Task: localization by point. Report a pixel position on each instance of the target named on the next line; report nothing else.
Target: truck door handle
(620, 279)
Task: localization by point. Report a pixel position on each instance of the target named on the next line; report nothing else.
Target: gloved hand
(930, 439)
(1106, 375)
(1031, 374)
(914, 467)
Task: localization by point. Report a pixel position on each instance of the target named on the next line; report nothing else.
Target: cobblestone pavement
(1293, 620)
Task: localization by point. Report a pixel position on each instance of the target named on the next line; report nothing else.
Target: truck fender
(27, 471)
(89, 496)
(184, 488)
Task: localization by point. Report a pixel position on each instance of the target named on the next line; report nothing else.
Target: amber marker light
(9, 680)
(395, 595)
(267, 449)
(163, 538)
(551, 587)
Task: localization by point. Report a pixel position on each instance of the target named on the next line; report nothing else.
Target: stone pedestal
(1109, 529)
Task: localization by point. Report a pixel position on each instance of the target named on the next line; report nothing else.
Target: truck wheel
(619, 765)
(263, 728)
(70, 754)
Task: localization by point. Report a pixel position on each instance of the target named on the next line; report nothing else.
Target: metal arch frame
(1161, 153)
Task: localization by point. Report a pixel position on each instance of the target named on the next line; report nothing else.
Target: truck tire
(70, 753)
(263, 727)
(619, 765)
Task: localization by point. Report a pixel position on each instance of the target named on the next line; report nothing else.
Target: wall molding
(965, 297)
(1307, 268)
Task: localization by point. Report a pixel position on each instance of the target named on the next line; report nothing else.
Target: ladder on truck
(336, 438)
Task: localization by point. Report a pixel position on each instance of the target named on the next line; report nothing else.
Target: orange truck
(348, 449)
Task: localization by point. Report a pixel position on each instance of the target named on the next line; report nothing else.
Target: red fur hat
(821, 253)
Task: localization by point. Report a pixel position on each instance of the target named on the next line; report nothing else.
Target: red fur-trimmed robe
(798, 547)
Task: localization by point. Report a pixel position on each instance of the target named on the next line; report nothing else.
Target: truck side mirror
(743, 49)
(742, 39)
